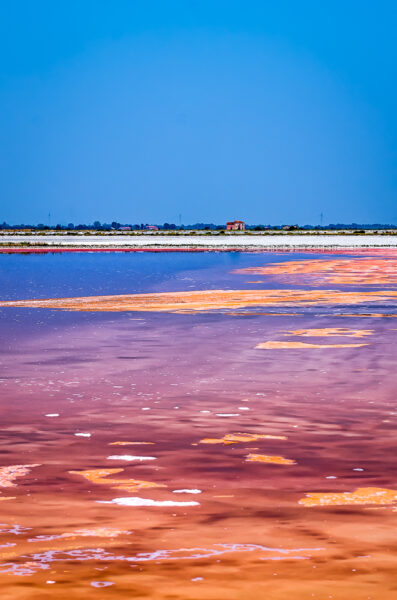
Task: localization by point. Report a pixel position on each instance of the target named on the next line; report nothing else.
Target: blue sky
(139, 111)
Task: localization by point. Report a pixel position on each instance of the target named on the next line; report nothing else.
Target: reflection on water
(253, 457)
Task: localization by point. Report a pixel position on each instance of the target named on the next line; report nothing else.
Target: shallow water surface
(221, 426)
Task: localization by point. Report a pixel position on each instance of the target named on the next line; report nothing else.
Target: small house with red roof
(235, 226)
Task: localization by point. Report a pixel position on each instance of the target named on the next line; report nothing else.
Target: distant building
(235, 226)
(126, 228)
(152, 227)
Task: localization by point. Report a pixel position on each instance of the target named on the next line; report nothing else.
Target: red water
(178, 382)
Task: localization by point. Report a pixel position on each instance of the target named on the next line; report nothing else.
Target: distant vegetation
(209, 227)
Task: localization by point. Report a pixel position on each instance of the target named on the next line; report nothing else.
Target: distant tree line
(116, 226)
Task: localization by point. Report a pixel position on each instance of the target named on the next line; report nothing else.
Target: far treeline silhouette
(115, 226)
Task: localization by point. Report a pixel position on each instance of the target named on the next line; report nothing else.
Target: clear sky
(142, 110)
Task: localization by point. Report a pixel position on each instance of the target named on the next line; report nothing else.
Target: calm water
(161, 455)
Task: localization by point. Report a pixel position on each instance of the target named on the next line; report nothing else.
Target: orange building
(235, 226)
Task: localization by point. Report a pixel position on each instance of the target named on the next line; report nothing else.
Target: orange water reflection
(367, 495)
(191, 302)
(276, 345)
(345, 271)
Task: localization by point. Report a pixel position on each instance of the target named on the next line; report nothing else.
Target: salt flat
(233, 241)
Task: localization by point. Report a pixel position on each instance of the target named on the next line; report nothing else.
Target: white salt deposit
(281, 240)
(130, 457)
(135, 501)
(227, 414)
